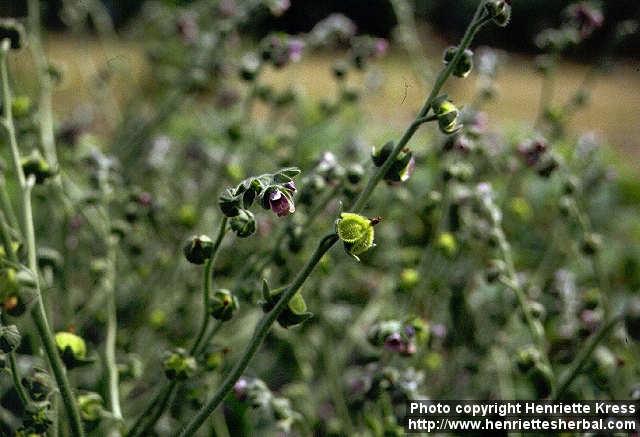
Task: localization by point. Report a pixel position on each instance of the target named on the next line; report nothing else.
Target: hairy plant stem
(263, 327)
(45, 106)
(156, 407)
(583, 356)
(38, 311)
(112, 329)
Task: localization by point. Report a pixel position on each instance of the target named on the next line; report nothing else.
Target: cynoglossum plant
(26, 185)
(493, 10)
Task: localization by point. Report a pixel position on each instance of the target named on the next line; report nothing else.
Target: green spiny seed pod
(499, 11)
(409, 278)
(222, 304)
(527, 358)
(447, 114)
(447, 245)
(35, 165)
(632, 318)
(91, 406)
(20, 106)
(179, 365)
(13, 31)
(379, 156)
(295, 312)
(72, 348)
(244, 224)
(9, 338)
(356, 232)
(198, 249)
(464, 65)
(591, 244)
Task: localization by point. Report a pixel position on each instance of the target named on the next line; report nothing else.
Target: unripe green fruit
(198, 249)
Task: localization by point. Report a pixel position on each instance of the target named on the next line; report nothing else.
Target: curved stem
(259, 335)
(328, 241)
(38, 311)
(112, 329)
(15, 375)
(154, 410)
(583, 356)
(477, 22)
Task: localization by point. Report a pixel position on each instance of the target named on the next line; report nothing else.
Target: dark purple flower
(240, 388)
(291, 186)
(532, 151)
(586, 18)
(439, 330)
(380, 46)
(394, 342)
(280, 204)
(188, 28)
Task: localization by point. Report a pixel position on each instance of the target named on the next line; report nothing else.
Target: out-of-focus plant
(489, 255)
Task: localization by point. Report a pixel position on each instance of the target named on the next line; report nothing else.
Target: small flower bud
(9, 338)
(37, 417)
(547, 165)
(39, 385)
(566, 206)
(591, 244)
(20, 106)
(249, 67)
(340, 70)
(72, 348)
(13, 31)
(36, 165)
(464, 65)
(494, 270)
(244, 224)
(356, 232)
(380, 156)
(632, 318)
(198, 249)
(91, 406)
(527, 358)
(409, 278)
(447, 245)
(499, 11)
(592, 298)
(537, 310)
(222, 304)
(179, 365)
(447, 114)
(355, 173)
(229, 203)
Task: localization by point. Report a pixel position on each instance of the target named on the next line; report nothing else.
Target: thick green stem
(583, 356)
(112, 329)
(328, 241)
(45, 107)
(477, 22)
(38, 311)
